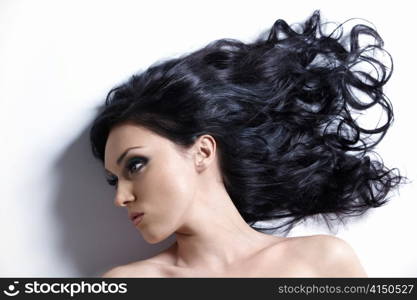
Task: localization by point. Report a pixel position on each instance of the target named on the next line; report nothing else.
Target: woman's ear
(205, 151)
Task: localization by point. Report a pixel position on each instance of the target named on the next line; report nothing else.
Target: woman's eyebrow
(122, 156)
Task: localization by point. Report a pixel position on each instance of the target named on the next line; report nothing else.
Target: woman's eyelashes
(131, 165)
(131, 168)
(112, 181)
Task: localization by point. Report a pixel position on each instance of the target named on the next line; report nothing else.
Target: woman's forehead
(126, 136)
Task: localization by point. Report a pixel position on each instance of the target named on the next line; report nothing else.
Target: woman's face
(155, 179)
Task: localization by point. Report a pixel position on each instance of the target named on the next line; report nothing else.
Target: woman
(207, 144)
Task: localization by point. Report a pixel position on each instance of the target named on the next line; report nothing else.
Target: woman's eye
(112, 181)
(132, 166)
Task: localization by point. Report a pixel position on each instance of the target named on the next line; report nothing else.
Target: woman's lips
(133, 215)
(136, 220)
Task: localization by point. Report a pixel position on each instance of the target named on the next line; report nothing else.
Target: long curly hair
(278, 108)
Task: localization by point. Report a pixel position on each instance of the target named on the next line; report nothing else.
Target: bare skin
(181, 191)
(305, 256)
(267, 262)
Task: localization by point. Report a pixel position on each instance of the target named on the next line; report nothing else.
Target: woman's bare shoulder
(327, 256)
(142, 268)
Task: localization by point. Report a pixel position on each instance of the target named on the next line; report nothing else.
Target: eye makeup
(130, 168)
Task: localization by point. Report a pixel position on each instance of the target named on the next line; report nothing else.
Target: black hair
(280, 110)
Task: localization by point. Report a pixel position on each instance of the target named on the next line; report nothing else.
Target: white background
(58, 59)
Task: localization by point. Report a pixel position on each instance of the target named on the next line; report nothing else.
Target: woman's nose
(123, 197)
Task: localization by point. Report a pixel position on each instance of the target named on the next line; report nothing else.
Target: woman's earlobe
(199, 161)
